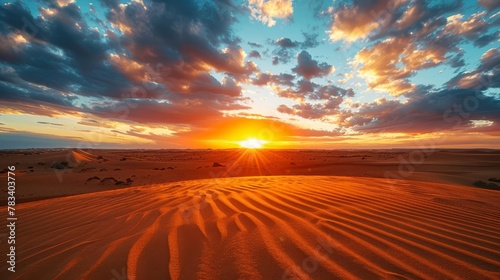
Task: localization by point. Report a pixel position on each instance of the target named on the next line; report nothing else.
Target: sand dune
(276, 227)
(83, 156)
(40, 180)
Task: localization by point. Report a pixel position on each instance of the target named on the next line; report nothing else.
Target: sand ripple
(294, 227)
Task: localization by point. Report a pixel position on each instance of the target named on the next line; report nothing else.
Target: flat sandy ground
(212, 223)
(97, 170)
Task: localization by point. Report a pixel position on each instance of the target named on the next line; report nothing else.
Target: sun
(252, 143)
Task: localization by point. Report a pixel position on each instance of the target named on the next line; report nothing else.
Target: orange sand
(37, 180)
(275, 227)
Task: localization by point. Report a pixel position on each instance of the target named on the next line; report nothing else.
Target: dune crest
(83, 156)
(276, 227)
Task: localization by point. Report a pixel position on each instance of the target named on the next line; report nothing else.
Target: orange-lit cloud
(181, 73)
(63, 3)
(133, 70)
(380, 65)
(268, 11)
(470, 28)
(357, 21)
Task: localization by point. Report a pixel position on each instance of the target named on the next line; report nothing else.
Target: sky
(210, 74)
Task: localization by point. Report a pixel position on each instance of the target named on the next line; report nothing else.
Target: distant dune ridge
(275, 227)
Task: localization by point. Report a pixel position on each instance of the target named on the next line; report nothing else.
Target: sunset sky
(296, 74)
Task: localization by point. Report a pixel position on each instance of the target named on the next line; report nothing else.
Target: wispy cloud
(51, 123)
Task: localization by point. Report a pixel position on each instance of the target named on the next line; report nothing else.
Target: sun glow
(252, 143)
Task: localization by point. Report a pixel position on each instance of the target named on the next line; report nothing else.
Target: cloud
(180, 64)
(63, 3)
(255, 45)
(382, 18)
(268, 11)
(470, 28)
(287, 43)
(254, 54)
(286, 47)
(310, 40)
(305, 89)
(266, 78)
(28, 140)
(388, 64)
(311, 111)
(424, 110)
(228, 128)
(487, 39)
(51, 123)
(380, 65)
(486, 75)
(457, 60)
(490, 5)
(256, 116)
(357, 21)
(419, 18)
(64, 54)
(315, 101)
(427, 111)
(310, 68)
(191, 111)
(186, 37)
(151, 63)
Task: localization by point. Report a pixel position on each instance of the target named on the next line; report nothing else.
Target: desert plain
(254, 214)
